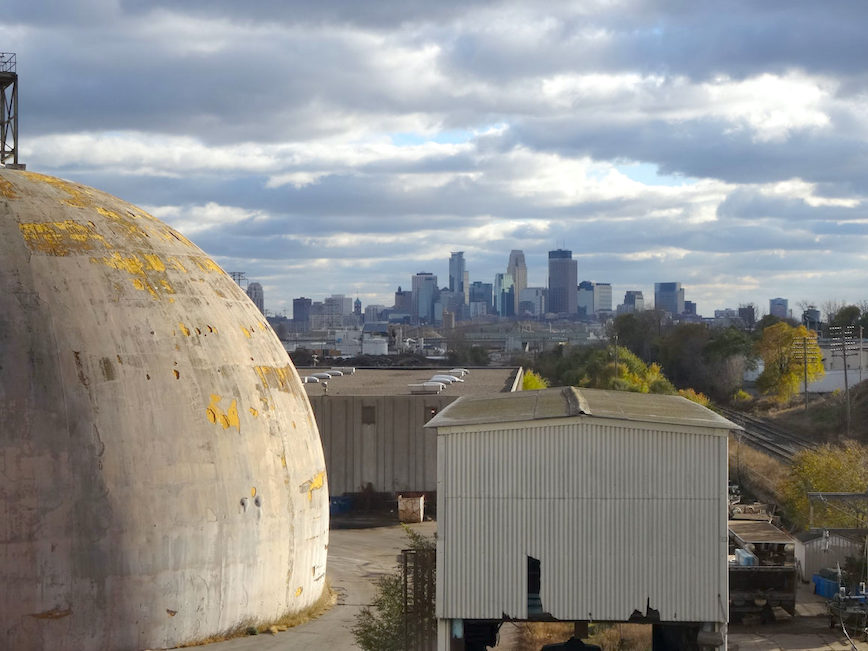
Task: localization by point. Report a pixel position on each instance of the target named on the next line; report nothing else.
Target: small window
(369, 415)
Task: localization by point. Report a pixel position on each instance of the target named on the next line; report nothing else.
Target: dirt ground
(809, 629)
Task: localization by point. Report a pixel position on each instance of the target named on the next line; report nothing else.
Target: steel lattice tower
(8, 110)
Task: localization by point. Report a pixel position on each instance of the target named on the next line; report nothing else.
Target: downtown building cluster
(508, 296)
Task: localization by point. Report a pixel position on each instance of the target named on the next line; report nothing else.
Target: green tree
(849, 315)
(827, 469)
(784, 365)
(380, 626)
(639, 331)
(602, 368)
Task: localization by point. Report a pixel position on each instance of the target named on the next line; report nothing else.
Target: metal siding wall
(395, 454)
(816, 558)
(616, 515)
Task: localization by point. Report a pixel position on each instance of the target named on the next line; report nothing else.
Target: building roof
(758, 531)
(568, 402)
(396, 381)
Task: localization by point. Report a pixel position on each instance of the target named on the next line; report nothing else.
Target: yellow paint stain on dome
(61, 238)
(253, 412)
(7, 190)
(79, 196)
(154, 261)
(143, 271)
(253, 492)
(283, 460)
(125, 223)
(177, 265)
(205, 264)
(184, 329)
(313, 484)
(245, 331)
(298, 591)
(275, 377)
(216, 415)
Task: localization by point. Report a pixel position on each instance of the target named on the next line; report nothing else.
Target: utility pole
(844, 345)
(802, 355)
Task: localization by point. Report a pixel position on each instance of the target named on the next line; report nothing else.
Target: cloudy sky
(339, 147)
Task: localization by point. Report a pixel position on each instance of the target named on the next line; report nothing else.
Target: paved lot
(356, 558)
(809, 629)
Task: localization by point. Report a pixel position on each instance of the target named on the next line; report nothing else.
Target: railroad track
(766, 437)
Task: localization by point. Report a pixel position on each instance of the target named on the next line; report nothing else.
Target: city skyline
(342, 148)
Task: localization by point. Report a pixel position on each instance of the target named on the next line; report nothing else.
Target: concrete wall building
(602, 297)
(633, 302)
(580, 504)
(563, 280)
(257, 295)
(669, 298)
(403, 301)
(532, 302)
(162, 476)
(374, 313)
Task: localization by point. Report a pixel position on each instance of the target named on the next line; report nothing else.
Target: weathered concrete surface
(357, 558)
(161, 474)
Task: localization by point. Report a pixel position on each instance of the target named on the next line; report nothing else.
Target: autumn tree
(608, 367)
(827, 469)
(532, 381)
(784, 357)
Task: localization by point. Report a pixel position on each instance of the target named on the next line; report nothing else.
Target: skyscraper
(563, 281)
(669, 297)
(602, 297)
(518, 270)
(633, 302)
(585, 298)
(456, 272)
(254, 291)
(424, 295)
(301, 313)
(504, 296)
(779, 307)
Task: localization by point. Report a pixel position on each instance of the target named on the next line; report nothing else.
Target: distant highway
(768, 438)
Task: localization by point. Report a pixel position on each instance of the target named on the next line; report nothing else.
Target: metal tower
(8, 110)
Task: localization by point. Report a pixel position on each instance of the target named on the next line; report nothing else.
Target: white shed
(579, 505)
(814, 551)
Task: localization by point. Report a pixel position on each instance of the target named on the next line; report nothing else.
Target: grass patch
(609, 637)
(251, 627)
(756, 471)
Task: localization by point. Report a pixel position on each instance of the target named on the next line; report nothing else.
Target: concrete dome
(161, 475)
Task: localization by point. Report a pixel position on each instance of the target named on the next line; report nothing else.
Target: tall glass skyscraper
(669, 297)
(518, 270)
(456, 272)
(563, 282)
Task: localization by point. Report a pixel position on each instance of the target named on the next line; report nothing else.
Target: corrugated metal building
(373, 429)
(814, 551)
(619, 499)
